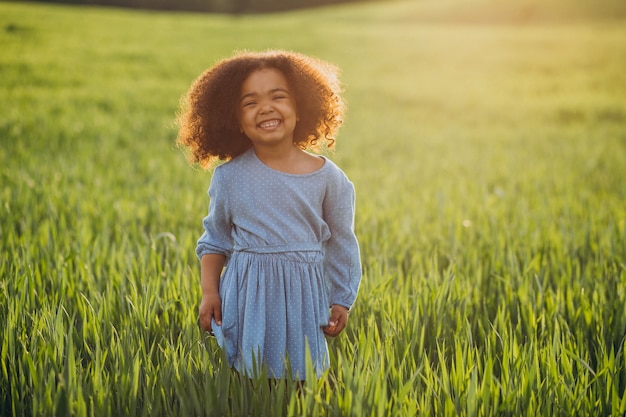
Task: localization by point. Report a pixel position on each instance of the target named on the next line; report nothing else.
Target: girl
(280, 220)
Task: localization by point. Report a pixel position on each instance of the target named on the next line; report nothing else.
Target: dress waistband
(293, 247)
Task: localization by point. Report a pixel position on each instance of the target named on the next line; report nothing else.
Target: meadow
(487, 144)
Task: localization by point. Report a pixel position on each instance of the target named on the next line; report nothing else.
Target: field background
(487, 143)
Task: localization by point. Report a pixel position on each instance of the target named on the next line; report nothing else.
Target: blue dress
(291, 254)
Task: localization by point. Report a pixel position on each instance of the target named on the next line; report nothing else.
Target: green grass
(488, 148)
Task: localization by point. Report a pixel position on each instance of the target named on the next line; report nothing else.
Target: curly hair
(208, 121)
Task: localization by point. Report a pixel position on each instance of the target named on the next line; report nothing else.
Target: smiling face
(267, 109)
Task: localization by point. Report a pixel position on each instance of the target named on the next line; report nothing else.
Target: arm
(342, 263)
(213, 248)
(216, 238)
(211, 304)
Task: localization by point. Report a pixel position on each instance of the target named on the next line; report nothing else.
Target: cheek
(294, 108)
(243, 119)
(237, 120)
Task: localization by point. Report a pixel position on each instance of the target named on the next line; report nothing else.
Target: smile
(269, 124)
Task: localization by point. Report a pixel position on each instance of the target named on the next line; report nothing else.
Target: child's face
(267, 109)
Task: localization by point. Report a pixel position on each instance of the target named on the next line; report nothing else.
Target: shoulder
(333, 171)
(235, 166)
(230, 173)
(338, 185)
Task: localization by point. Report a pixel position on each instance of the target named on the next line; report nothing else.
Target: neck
(292, 160)
(276, 154)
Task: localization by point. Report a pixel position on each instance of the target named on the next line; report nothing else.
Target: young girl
(280, 220)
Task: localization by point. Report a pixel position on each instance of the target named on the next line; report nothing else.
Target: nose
(267, 107)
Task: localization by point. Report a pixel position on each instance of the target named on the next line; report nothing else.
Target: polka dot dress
(292, 253)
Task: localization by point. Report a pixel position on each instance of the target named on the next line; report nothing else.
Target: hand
(210, 308)
(337, 322)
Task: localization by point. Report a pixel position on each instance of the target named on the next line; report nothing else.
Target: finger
(205, 321)
(334, 328)
(332, 331)
(329, 328)
(334, 320)
(340, 326)
(340, 323)
(338, 317)
(206, 325)
(217, 315)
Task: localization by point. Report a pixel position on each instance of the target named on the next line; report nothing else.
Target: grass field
(487, 143)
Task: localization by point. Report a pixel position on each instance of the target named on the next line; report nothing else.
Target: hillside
(494, 11)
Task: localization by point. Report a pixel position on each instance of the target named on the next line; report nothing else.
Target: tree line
(214, 6)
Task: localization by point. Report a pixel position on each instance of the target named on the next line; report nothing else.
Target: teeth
(270, 123)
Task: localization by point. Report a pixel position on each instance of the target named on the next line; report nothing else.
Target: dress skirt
(274, 305)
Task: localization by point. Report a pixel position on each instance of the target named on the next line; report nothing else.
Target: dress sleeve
(342, 261)
(217, 224)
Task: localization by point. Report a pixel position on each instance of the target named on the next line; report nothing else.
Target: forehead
(263, 80)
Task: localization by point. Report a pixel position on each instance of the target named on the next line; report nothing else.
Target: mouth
(270, 124)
